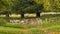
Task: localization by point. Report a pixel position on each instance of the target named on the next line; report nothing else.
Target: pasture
(49, 24)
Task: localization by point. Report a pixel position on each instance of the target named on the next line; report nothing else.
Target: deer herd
(27, 21)
(31, 21)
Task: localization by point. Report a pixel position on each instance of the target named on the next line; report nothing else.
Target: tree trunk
(22, 15)
(37, 14)
(7, 17)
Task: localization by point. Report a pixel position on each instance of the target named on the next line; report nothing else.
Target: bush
(2, 22)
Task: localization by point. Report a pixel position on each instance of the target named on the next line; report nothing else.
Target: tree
(28, 6)
(5, 7)
(40, 7)
(39, 10)
(21, 6)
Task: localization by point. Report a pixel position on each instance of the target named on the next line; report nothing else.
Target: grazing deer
(29, 21)
(22, 22)
(32, 21)
(38, 20)
(11, 21)
(14, 21)
(46, 19)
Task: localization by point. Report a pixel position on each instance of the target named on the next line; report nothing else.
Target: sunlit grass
(32, 29)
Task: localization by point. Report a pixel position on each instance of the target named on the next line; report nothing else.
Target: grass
(13, 25)
(9, 30)
(32, 29)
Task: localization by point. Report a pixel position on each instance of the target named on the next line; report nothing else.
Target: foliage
(5, 5)
(18, 6)
(28, 6)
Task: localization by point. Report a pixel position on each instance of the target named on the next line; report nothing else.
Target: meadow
(50, 25)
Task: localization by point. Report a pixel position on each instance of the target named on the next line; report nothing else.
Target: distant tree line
(28, 6)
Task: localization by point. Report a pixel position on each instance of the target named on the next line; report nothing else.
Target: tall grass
(20, 31)
(12, 28)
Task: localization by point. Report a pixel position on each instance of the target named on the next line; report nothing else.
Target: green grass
(8, 30)
(32, 29)
(15, 28)
(26, 26)
(13, 25)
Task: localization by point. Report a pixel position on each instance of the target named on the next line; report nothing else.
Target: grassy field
(49, 27)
